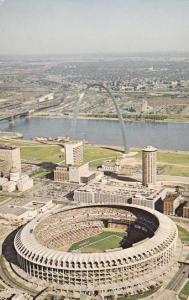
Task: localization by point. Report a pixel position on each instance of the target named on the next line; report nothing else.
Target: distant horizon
(61, 27)
(132, 53)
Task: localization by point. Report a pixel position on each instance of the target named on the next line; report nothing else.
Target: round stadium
(107, 251)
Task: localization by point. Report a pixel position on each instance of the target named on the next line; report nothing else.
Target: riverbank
(12, 135)
(131, 120)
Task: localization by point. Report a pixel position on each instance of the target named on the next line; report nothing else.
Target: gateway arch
(121, 121)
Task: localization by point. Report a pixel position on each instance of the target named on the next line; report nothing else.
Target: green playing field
(99, 243)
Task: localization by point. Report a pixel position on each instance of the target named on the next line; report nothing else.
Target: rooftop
(73, 143)
(171, 197)
(149, 149)
(113, 186)
(6, 147)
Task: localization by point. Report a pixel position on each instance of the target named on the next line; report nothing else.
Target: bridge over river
(11, 117)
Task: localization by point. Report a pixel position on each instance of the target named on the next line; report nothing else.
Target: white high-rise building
(149, 165)
(11, 157)
(73, 153)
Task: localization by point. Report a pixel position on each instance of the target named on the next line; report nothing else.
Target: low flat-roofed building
(19, 209)
(87, 178)
(78, 172)
(9, 186)
(150, 200)
(3, 180)
(143, 201)
(14, 175)
(25, 183)
(110, 166)
(75, 174)
(12, 212)
(61, 174)
(171, 203)
(186, 211)
(115, 191)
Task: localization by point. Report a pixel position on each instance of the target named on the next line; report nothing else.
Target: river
(171, 136)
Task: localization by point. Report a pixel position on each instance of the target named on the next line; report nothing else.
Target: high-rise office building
(149, 165)
(10, 158)
(73, 153)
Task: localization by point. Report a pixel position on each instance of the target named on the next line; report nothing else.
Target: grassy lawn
(140, 296)
(99, 243)
(16, 142)
(42, 153)
(173, 158)
(96, 155)
(185, 292)
(41, 173)
(183, 233)
(175, 164)
(170, 163)
(174, 170)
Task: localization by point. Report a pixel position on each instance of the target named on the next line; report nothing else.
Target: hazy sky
(93, 26)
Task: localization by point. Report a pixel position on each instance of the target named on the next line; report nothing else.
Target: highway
(11, 282)
(179, 278)
(7, 279)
